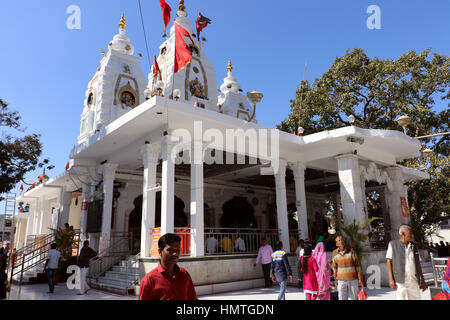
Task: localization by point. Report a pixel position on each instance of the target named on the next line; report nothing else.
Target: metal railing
(231, 241)
(120, 247)
(132, 272)
(439, 266)
(32, 255)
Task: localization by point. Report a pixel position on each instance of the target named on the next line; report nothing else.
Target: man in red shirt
(168, 281)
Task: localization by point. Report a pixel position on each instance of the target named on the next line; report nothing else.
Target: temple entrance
(238, 213)
(135, 220)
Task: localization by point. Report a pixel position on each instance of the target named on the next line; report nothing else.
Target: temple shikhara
(134, 175)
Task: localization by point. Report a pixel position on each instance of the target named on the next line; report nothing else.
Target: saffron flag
(183, 54)
(201, 22)
(67, 166)
(166, 10)
(155, 67)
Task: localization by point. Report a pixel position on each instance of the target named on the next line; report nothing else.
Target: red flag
(67, 166)
(182, 53)
(166, 10)
(201, 22)
(21, 187)
(155, 68)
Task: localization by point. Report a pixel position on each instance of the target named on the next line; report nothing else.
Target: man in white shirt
(52, 263)
(405, 272)
(239, 245)
(211, 244)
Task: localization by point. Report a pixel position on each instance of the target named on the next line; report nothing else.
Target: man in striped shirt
(347, 271)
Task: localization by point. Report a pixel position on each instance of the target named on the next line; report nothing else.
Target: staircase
(427, 270)
(115, 270)
(122, 278)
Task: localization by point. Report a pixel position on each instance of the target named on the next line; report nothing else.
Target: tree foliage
(377, 92)
(18, 155)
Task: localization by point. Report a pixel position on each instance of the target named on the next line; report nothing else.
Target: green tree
(18, 155)
(377, 92)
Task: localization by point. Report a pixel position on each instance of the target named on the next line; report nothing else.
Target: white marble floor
(39, 292)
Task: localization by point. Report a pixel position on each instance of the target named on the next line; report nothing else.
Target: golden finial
(122, 23)
(230, 67)
(181, 7)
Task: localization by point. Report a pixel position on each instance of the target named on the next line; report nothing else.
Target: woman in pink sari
(323, 273)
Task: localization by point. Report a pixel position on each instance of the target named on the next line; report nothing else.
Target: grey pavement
(39, 292)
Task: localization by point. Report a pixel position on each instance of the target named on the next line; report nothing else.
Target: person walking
(86, 254)
(403, 261)
(347, 271)
(323, 274)
(309, 270)
(299, 254)
(265, 256)
(168, 281)
(281, 269)
(52, 263)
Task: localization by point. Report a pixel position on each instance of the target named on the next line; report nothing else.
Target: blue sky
(45, 67)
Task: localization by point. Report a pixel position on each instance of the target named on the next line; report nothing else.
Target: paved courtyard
(39, 292)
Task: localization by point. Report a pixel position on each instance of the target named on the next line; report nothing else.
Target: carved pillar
(150, 157)
(168, 187)
(300, 197)
(197, 203)
(282, 214)
(109, 172)
(394, 201)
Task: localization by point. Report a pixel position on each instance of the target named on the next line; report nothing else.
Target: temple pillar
(281, 199)
(197, 203)
(300, 197)
(168, 187)
(150, 157)
(394, 201)
(109, 172)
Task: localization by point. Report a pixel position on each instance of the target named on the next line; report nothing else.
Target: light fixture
(351, 119)
(404, 121)
(176, 94)
(427, 152)
(255, 97)
(160, 88)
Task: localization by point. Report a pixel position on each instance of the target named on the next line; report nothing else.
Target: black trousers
(266, 272)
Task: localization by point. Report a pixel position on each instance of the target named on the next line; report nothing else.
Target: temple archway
(135, 219)
(238, 213)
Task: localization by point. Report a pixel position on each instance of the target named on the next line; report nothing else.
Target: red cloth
(200, 25)
(309, 279)
(182, 53)
(155, 68)
(67, 166)
(362, 295)
(166, 10)
(158, 285)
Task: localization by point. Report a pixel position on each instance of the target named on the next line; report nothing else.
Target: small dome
(120, 41)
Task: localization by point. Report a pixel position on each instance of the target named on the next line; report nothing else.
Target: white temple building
(133, 172)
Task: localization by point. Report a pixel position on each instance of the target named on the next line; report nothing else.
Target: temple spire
(181, 7)
(230, 67)
(122, 23)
